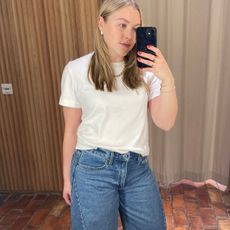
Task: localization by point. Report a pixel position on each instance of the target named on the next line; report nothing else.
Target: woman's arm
(163, 108)
(72, 119)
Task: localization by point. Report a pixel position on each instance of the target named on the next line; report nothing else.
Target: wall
(37, 38)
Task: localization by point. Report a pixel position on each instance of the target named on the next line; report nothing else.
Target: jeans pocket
(90, 160)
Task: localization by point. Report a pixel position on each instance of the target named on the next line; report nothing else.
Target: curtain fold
(194, 37)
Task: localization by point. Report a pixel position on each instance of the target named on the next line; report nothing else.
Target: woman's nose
(129, 34)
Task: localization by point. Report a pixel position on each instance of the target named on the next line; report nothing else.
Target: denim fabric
(105, 183)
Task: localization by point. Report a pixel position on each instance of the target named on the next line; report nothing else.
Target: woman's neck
(116, 59)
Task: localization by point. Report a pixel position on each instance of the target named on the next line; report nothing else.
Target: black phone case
(145, 36)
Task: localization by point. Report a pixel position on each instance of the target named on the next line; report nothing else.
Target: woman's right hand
(67, 192)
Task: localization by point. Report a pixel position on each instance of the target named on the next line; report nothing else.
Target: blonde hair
(102, 75)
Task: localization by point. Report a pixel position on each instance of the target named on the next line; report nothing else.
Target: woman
(105, 100)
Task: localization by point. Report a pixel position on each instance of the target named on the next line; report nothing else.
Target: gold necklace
(120, 74)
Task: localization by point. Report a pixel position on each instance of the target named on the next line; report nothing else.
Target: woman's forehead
(129, 14)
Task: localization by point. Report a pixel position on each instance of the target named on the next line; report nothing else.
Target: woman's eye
(123, 26)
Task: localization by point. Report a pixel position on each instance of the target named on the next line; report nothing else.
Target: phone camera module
(148, 33)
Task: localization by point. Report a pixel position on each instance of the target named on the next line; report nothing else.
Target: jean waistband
(115, 155)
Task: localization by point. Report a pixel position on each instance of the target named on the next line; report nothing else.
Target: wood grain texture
(37, 38)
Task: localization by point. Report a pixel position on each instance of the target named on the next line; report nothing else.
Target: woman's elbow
(165, 126)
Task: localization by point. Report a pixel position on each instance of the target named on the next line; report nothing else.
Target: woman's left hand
(157, 63)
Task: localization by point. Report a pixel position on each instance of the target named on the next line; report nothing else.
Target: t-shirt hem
(153, 96)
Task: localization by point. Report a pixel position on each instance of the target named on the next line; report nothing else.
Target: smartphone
(145, 36)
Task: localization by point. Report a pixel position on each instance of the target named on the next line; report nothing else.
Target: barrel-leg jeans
(106, 183)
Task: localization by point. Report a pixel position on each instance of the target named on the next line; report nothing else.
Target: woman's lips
(125, 45)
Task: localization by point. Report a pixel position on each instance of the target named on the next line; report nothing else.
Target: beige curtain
(194, 36)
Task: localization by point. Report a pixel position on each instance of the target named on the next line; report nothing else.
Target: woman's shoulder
(81, 62)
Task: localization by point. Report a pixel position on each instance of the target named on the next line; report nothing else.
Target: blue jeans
(105, 183)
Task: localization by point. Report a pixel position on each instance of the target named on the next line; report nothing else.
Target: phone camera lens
(148, 33)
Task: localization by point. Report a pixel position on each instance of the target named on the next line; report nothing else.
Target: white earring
(101, 32)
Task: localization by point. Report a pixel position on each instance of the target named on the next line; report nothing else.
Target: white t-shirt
(116, 120)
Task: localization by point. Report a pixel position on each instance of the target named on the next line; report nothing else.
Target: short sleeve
(69, 91)
(154, 85)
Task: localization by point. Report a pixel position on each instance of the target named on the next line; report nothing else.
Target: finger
(155, 50)
(67, 199)
(147, 69)
(67, 202)
(145, 61)
(146, 55)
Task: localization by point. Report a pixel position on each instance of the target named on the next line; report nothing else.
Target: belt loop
(111, 158)
(126, 156)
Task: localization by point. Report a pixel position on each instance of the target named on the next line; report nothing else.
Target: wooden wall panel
(37, 38)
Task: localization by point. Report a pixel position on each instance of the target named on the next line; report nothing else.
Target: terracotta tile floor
(186, 207)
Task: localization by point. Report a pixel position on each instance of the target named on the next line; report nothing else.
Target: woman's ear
(101, 23)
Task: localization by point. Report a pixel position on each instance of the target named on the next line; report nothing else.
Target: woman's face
(119, 31)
